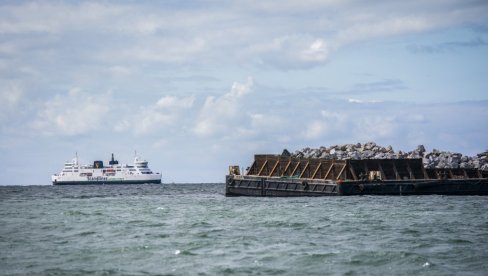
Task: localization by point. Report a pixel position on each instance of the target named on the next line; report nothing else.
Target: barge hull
(275, 187)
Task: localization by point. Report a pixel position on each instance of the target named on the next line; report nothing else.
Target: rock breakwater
(433, 159)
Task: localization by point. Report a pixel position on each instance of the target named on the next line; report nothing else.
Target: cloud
(168, 102)
(10, 96)
(295, 51)
(266, 122)
(120, 71)
(289, 6)
(190, 79)
(49, 17)
(72, 114)
(220, 114)
(376, 127)
(386, 85)
(363, 101)
(315, 129)
(164, 50)
(329, 123)
(11, 102)
(447, 46)
(317, 51)
(291, 35)
(151, 119)
(364, 30)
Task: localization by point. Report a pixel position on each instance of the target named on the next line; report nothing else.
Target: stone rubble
(434, 159)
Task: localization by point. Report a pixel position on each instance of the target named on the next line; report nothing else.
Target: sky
(196, 86)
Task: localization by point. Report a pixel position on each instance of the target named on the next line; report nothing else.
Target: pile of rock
(442, 159)
(370, 150)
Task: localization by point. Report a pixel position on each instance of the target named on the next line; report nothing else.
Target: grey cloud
(386, 85)
(192, 78)
(447, 46)
(220, 33)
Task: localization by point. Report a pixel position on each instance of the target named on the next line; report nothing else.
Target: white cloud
(315, 129)
(157, 117)
(11, 100)
(290, 51)
(347, 23)
(72, 114)
(122, 125)
(375, 127)
(363, 101)
(10, 96)
(151, 120)
(317, 51)
(329, 123)
(168, 102)
(266, 122)
(166, 50)
(120, 71)
(220, 114)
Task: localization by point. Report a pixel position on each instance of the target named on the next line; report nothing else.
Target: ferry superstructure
(74, 173)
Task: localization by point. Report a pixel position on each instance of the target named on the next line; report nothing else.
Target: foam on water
(192, 229)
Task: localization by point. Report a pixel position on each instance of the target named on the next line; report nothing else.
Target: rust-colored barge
(283, 176)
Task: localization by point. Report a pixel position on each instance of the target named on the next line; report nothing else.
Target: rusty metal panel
(390, 169)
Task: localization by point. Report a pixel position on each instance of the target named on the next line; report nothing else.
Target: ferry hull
(118, 182)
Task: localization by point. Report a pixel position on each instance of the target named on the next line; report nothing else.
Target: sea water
(194, 229)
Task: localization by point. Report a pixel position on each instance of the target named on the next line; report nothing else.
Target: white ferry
(73, 173)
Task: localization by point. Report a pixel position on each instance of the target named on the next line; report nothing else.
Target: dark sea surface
(194, 229)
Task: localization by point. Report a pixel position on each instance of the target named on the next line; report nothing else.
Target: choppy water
(194, 229)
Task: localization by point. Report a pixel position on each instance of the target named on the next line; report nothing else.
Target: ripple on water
(194, 229)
